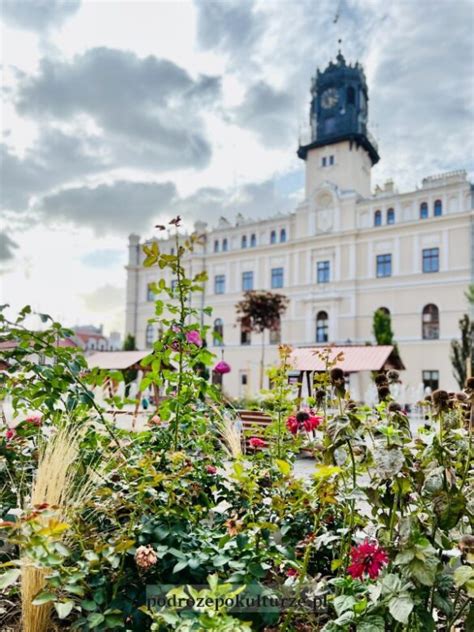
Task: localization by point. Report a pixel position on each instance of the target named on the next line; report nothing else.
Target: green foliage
(382, 327)
(462, 351)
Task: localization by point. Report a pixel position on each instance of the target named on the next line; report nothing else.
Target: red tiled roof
(356, 358)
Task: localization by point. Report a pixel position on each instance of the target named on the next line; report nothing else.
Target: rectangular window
(247, 281)
(277, 278)
(323, 271)
(331, 160)
(174, 284)
(219, 284)
(431, 380)
(323, 161)
(431, 260)
(150, 295)
(384, 266)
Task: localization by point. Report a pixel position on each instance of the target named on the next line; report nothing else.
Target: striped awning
(353, 358)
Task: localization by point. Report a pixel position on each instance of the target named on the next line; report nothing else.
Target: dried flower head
(393, 376)
(440, 400)
(380, 379)
(394, 407)
(145, 557)
(336, 374)
(469, 384)
(383, 392)
(320, 396)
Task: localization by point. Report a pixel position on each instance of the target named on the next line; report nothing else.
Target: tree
(462, 351)
(259, 311)
(129, 375)
(382, 327)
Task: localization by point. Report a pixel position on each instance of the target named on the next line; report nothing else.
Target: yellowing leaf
(325, 471)
(283, 466)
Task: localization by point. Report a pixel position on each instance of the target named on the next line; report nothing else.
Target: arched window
(218, 332)
(438, 208)
(243, 242)
(216, 246)
(283, 235)
(430, 322)
(273, 237)
(322, 327)
(351, 96)
(253, 241)
(225, 245)
(149, 336)
(423, 210)
(390, 216)
(378, 218)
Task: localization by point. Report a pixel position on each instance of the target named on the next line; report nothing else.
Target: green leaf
(283, 466)
(63, 608)
(179, 566)
(404, 557)
(95, 619)
(9, 578)
(424, 571)
(114, 620)
(343, 603)
(462, 575)
(43, 597)
(400, 607)
(371, 624)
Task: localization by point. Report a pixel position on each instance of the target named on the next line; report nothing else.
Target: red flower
(367, 559)
(292, 572)
(292, 424)
(312, 423)
(10, 434)
(34, 419)
(211, 469)
(255, 442)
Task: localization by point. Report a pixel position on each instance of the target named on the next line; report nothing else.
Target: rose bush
(381, 532)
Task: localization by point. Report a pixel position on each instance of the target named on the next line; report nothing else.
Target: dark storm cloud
(53, 159)
(7, 247)
(233, 27)
(270, 113)
(123, 206)
(148, 109)
(120, 207)
(37, 15)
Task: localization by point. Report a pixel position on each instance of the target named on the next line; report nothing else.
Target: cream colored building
(343, 253)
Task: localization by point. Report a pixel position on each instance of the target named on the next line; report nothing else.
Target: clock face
(329, 98)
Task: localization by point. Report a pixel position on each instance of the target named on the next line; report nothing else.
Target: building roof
(355, 358)
(12, 344)
(115, 360)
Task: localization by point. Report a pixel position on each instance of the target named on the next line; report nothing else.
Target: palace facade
(343, 253)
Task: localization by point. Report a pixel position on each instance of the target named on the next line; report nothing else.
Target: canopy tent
(352, 359)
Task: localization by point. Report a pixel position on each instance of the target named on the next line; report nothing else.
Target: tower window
(324, 161)
(224, 245)
(277, 278)
(273, 237)
(216, 246)
(378, 218)
(283, 235)
(253, 241)
(423, 210)
(323, 271)
(275, 334)
(219, 284)
(322, 327)
(351, 96)
(390, 216)
(247, 281)
(430, 322)
(150, 295)
(331, 160)
(243, 242)
(384, 266)
(431, 260)
(244, 334)
(218, 332)
(438, 208)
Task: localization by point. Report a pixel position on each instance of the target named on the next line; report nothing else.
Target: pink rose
(34, 419)
(255, 443)
(211, 469)
(194, 337)
(10, 434)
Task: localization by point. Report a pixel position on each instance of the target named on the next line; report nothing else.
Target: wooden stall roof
(356, 358)
(115, 360)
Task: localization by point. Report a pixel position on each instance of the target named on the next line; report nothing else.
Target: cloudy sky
(118, 114)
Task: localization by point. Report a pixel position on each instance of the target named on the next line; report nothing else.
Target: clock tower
(341, 149)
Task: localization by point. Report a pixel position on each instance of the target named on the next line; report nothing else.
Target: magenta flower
(34, 419)
(222, 368)
(255, 443)
(367, 559)
(211, 469)
(10, 434)
(194, 337)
